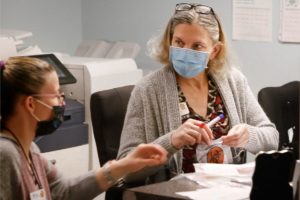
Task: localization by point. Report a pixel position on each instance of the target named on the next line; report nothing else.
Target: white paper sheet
(289, 21)
(215, 175)
(220, 181)
(252, 20)
(224, 193)
(246, 169)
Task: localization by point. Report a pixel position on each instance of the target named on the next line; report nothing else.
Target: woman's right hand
(144, 155)
(190, 133)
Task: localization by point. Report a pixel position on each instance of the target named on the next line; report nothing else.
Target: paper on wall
(289, 21)
(252, 20)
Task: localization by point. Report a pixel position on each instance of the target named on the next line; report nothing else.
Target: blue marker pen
(212, 122)
(215, 120)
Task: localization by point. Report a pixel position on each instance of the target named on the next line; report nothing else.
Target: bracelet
(108, 175)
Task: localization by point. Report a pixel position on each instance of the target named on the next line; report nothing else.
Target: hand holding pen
(237, 136)
(192, 132)
(210, 124)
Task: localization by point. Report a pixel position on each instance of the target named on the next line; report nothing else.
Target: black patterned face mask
(46, 127)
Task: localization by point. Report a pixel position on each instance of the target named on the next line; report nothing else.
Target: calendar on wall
(289, 21)
(252, 20)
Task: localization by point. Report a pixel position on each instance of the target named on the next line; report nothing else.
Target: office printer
(80, 77)
(96, 74)
(74, 140)
(73, 132)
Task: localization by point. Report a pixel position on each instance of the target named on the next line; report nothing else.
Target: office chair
(281, 105)
(108, 110)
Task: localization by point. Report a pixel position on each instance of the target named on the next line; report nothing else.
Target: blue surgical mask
(187, 62)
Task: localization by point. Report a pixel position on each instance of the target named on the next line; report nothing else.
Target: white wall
(56, 25)
(1, 14)
(61, 25)
(132, 20)
(264, 63)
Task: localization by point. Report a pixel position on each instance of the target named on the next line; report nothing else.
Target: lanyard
(28, 159)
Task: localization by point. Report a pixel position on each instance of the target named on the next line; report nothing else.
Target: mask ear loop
(44, 104)
(35, 117)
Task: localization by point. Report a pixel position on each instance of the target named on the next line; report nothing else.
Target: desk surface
(161, 191)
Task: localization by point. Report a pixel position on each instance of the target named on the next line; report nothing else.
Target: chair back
(108, 109)
(281, 105)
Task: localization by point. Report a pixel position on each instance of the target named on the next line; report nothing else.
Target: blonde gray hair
(159, 47)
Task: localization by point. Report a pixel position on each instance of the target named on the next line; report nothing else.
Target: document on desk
(224, 193)
(221, 181)
(246, 169)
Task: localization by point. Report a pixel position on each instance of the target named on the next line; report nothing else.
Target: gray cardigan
(153, 113)
(15, 182)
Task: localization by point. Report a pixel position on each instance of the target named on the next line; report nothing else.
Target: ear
(29, 103)
(216, 49)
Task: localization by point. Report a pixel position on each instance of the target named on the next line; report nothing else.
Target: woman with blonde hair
(174, 105)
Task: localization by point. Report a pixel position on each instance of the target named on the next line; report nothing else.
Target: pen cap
(221, 116)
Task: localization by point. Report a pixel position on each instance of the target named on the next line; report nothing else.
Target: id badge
(38, 195)
(183, 109)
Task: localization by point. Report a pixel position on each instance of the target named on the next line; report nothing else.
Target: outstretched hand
(142, 156)
(145, 155)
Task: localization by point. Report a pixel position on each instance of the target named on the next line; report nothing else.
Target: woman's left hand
(237, 136)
